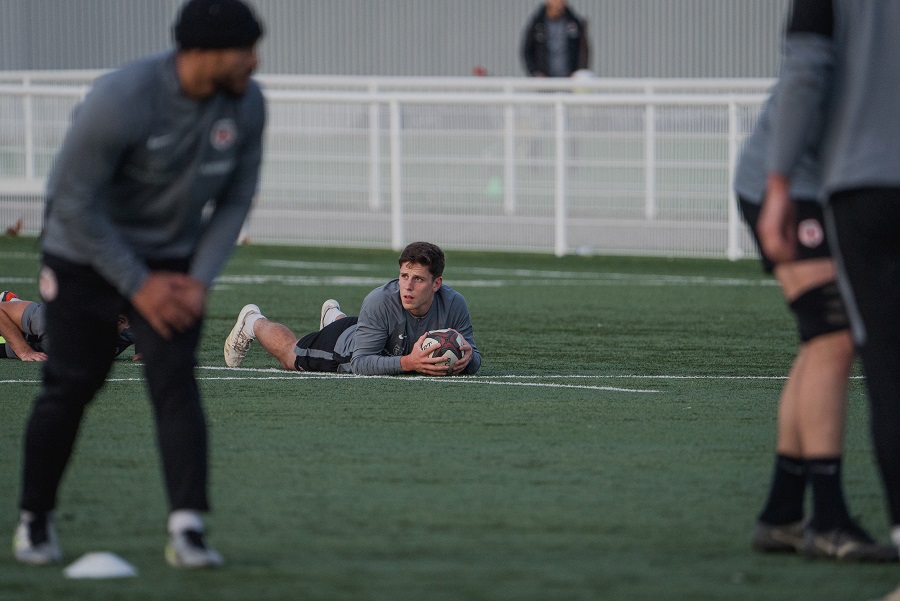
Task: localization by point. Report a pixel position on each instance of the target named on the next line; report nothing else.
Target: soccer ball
(444, 343)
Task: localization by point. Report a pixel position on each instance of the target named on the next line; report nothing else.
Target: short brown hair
(424, 253)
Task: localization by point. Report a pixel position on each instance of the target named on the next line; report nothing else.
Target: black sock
(829, 507)
(785, 503)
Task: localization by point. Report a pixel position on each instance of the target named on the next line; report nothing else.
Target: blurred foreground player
(152, 146)
(854, 75)
(813, 404)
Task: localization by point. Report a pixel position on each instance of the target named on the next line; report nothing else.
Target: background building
(630, 38)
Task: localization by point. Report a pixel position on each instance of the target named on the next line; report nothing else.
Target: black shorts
(315, 351)
(811, 240)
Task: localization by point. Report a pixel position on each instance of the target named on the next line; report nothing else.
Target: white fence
(562, 166)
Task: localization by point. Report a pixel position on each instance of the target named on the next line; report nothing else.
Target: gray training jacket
(857, 74)
(386, 330)
(750, 173)
(139, 165)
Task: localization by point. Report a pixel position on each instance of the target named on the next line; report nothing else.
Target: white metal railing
(26, 95)
(606, 166)
(391, 84)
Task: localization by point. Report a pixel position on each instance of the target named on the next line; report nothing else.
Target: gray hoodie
(386, 331)
(146, 173)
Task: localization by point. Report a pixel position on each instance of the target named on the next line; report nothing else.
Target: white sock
(895, 535)
(29, 516)
(249, 322)
(185, 519)
(332, 315)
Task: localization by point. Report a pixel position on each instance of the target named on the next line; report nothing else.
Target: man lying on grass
(23, 330)
(387, 336)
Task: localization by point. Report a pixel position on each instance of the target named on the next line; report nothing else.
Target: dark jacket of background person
(535, 52)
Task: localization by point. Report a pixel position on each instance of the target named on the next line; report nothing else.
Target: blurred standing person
(813, 403)
(555, 41)
(152, 145)
(852, 71)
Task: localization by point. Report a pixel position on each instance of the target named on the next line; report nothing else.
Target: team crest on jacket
(810, 233)
(224, 133)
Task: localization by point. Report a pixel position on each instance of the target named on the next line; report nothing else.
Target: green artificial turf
(617, 444)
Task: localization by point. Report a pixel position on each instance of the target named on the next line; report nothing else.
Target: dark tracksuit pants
(81, 326)
(866, 223)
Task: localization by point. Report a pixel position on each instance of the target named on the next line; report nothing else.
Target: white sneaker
(327, 306)
(238, 342)
(187, 549)
(35, 541)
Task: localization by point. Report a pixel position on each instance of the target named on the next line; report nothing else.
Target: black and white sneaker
(35, 542)
(849, 543)
(781, 538)
(187, 549)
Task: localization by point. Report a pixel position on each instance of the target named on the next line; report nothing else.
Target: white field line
(500, 379)
(559, 279)
(528, 274)
(353, 274)
(9, 254)
(457, 380)
(343, 274)
(483, 380)
(530, 380)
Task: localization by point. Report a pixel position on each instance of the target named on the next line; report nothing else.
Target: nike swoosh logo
(157, 142)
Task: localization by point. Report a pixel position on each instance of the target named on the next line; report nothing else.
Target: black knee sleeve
(820, 311)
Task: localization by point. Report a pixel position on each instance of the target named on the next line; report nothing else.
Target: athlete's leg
(278, 340)
(14, 310)
(816, 398)
(866, 224)
(328, 349)
(81, 315)
(11, 330)
(180, 422)
(821, 393)
(813, 403)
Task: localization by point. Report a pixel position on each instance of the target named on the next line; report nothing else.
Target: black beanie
(216, 24)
